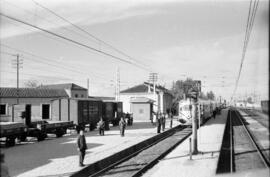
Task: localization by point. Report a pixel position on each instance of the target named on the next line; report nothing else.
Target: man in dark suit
(81, 142)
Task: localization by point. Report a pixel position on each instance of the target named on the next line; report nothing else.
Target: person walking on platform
(214, 113)
(122, 126)
(101, 126)
(81, 143)
(158, 122)
(163, 122)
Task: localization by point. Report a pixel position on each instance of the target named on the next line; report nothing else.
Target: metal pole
(18, 78)
(190, 149)
(88, 87)
(194, 125)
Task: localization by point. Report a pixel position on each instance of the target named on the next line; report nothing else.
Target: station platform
(59, 156)
(177, 163)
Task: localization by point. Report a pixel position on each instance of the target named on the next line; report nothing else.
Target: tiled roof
(70, 86)
(32, 93)
(136, 89)
(143, 88)
(142, 100)
(103, 98)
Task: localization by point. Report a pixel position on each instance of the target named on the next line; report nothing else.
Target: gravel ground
(59, 156)
(259, 132)
(246, 156)
(133, 165)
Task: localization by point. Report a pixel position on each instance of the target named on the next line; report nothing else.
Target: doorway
(45, 111)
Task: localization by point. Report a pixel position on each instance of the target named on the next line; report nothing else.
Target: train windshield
(185, 108)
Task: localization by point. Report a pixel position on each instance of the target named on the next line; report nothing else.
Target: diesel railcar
(205, 110)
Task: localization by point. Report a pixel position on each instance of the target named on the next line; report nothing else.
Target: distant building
(38, 101)
(162, 98)
(73, 90)
(142, 108)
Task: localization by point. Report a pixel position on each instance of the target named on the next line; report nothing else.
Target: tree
(249, 100)
(31, 83)
(210, 95)
(180, 88)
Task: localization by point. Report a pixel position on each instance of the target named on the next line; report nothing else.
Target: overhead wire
(72, 41)
(49, 21)
(36, 59)
(89, 34)
(41, 59)
(249, 26)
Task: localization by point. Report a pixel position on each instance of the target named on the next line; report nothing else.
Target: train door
(28, 114)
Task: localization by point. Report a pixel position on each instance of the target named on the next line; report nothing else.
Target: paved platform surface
(178, 163)
(59, 156)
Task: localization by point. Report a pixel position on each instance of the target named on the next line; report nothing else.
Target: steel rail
(264, 159)
(153, 162)
(131, 155)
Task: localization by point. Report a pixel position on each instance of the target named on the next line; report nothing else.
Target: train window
(2, 109)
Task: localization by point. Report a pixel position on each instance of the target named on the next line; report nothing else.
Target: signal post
(193, 95)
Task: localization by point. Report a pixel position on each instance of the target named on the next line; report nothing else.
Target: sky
(199, 39)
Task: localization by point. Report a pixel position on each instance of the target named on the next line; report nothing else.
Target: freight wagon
(82, 111)
(112, 112)
(23, 126)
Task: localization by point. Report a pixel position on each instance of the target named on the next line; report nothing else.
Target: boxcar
(112, 111)
(82, 111)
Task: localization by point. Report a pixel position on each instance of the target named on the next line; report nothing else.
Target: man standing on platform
(163, 121)
(81, 142)
(122, 126)
(101, 126)
(158, 122)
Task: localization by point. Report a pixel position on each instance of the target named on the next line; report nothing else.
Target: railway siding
(259, 131)
(145, 158)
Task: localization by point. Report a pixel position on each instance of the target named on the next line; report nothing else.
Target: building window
(141, 111)
(82, 95)
(76, 95)
(3, 110)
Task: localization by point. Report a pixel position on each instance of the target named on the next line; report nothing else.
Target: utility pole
(17, 64)
(88, 87)
(117, 85)
(153, 79)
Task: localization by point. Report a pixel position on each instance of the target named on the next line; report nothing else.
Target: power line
(86, 32)
(72, 41)
(49, 21)
(41, 59)
(249, 27)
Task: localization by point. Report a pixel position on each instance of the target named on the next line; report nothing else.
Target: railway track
(262, 118)
(246, 152)
(139, 162)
